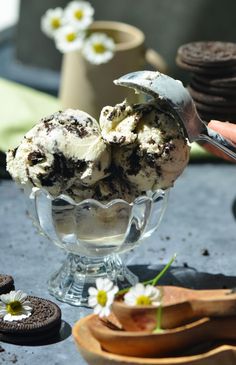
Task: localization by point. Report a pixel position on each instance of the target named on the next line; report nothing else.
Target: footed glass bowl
(94, 234)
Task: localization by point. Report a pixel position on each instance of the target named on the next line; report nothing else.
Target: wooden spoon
(146, 344)
(180, 306)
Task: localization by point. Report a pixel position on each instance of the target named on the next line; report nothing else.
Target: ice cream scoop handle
(219, 141)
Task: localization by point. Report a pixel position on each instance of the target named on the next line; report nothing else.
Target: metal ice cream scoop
(175, 98)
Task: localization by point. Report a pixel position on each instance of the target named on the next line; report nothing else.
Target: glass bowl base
(71, 282)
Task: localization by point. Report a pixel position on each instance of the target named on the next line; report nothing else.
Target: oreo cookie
(219, 81)
(207, 88)
(6, 284)
(208, 54)
(218, 101)
(206, 70)
(212, 114)
(41, 326)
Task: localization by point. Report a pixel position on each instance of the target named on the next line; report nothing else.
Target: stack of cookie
(213, 78)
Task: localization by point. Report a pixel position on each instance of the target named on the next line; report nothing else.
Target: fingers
(227, 129)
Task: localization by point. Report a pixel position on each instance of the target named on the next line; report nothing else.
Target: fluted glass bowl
(94, 234)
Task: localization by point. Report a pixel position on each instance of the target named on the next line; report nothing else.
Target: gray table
(199, 225)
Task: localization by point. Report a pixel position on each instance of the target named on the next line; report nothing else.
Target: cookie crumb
(185, 264)
(1, 349)
(205, 252)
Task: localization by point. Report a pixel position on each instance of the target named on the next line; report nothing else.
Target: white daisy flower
(101, 297)
(143, 295)
(14, 306)
(69, 39)
(79, 13)
(52, 21)
(98, 48)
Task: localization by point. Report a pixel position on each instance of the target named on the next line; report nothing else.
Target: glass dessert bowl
(93, 235)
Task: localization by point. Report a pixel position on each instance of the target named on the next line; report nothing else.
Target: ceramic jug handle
(156, 60)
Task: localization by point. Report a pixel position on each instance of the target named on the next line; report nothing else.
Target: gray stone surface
(199, 217)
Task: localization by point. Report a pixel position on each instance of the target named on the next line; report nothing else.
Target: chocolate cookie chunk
(6, 284)
(43, 324)
(208, 54)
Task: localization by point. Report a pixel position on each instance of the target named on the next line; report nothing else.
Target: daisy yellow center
(70, 37)
(143, 300)
(102, 298)
(14, 308)
(55, 23)
(99, 48)
(79, 14)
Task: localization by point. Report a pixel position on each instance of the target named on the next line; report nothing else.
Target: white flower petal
(100, 283)
(20, 296)
(3, 311)
(139, 289)
(12, 295)
(104, 312)
(110, 299)
(8, 317)
(92, 301)
(27, 308)
(129, 299)
(92, 291)
(107, 284)
(148, 290)
(27, 302)
(97, 309)
(4, 298)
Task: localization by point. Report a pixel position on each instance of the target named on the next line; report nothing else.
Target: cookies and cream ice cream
(131, 150)
(149, 148)
(63, 150)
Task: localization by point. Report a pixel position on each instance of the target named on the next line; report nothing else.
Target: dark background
(166, 23)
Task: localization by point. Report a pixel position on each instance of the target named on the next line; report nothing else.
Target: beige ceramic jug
(90, 87)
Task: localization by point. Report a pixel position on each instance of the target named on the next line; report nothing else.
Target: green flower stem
(152, 281)
(158, 328)
(163, 271)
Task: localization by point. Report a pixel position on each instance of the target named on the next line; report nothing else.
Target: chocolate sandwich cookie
(206, 88)
(42, 325)
(214, 108)
(216, 116)
(208, 54)
(6, 284)
(218, 81)
(205, 71)
(208, 114)
(214, 100)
